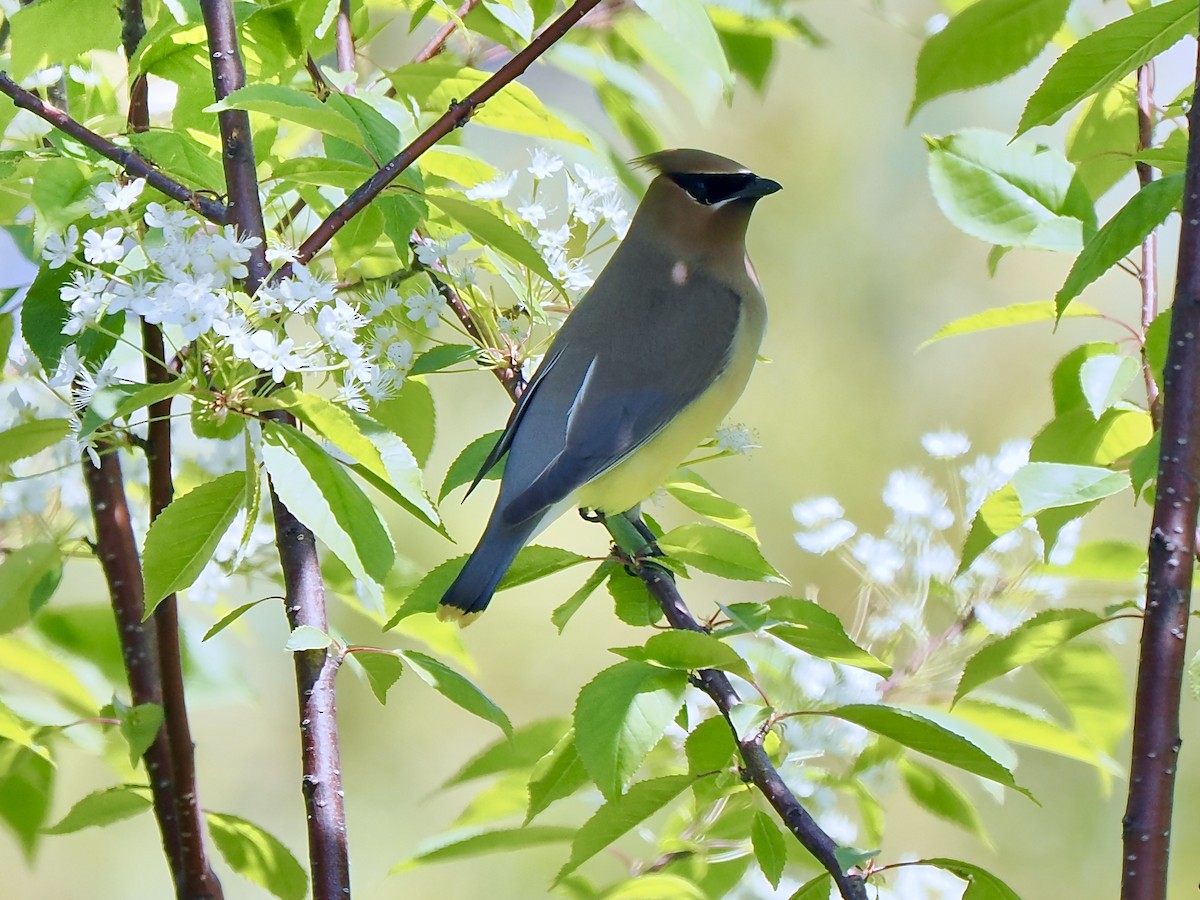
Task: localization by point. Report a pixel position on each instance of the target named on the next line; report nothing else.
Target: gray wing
(605, 391)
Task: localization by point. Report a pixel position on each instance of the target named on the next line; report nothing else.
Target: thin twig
(132, 163)
(437, 43)
(344, 42)
(456, 116)
(1147, 822)
(1148, 272)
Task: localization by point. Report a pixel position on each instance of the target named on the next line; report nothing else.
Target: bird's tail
(472, 590)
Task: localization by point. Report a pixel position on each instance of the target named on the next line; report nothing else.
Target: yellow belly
(637, 476)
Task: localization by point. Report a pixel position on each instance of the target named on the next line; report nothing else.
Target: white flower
(554, 240)
(496, 189)
(817, 511)
(387, 384)
(350, 394)
(278, 252)
(736, 439)
(995, 620)
(945, 444)
(544, 164)
(825, 538)
(103, 248)
(400, 355)
(914, 499)
(512, 329)
(68, 367)
(880, 557)
(425, 307)
(86, 77)
(60, 248)
(615, 214)
(926, 883)
(301, 293)
(43, 78)
(112, 197)
(1064, 545)
(158, 216)
(430, 252)
(380, 301)
(85, 296)
(533, 213)
(599, 184)
(273, 355)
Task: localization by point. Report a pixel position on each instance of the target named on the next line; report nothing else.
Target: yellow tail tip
(457, 616)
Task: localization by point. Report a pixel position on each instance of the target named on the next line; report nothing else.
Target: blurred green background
(859, 268)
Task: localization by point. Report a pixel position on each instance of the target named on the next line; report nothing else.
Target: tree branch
(344, 41)
(328, 853)
(1148, 274)
(132, 163)
(437, 43)
(456, 116)
(1147, 822)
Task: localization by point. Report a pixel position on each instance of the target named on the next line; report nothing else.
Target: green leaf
(258, 856)
(307, 637)
(1105, 379)
(940, 796)
(467, 464)
(1041, 485)
(443, 357)
(528, 744)
(139, 726)
(656, 886)
(710, 746)
(503, 839)
(317, 490)
(698, 495)
(1005, 316)
(59, 31)
(43, 315)
(688, 651)
(181, 155)
(534, 562)
(26, 781)
(1078, 438)
(719, 551)
(769, 847)
(29, 576)
(1065, 384)
(491, 231)
(1145, 211)
(819, 632)
(279, 102)
(563, 613)
(182, 539)
(982, 44)
(1106, 56)
(119, 401)
(816, 889)
(456, 688)
(558, 774)
(1014, 194)
(620, 814)
(411, 415)
(1088, 681)
(1029, 642)
(631, 599)
(1103, 138)
(383, 670)
(1103, 561)
(1143, 467)
(981, 884)
(34, 664)
(30, 438)
(229, 618)
(105, 807)
(926, 736)
(620, 715)
(1032, 727)
(687, 22)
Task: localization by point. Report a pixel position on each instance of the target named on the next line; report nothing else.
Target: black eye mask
(712, 188)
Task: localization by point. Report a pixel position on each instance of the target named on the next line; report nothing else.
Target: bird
(648, 363)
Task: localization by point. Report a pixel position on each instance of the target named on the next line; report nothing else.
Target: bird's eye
(710, 188)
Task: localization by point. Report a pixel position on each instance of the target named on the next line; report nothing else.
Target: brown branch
(456, 116)
(1148, 274)
(328, 853)
(132, 163)
(1147, 822)
(344, 42)
(437, 43)
(117, 551)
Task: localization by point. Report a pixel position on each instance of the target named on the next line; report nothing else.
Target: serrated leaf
(467, 464)
(1103, 139)
(687, 22)
(139, 726)
(1033, 727)
(926, 736)
(528, 744)
(1105, 379)
(769, 847)
(179, 154)
(1041, 485)
(43, 315)
(229, 618)
(491, 231)
(940, 796)
(620, 715)
(816, 889)
(698, 495)
(25, 790)
(1006, 316)
(1145, 211)
(257, 856)
(981, 884)
(1010, 193)
(290, 105)
(620, 814)
(535, 561)
(688, 651)
(443, 357)
(30, 438)
(1077, 438)
(307, 637)
(182, 539)
(410, 414)
(558, 774)
(1027, 643)
(29, 576)
(503, 839)
(103, 808)
(119, 401)
(456, 688)
(318, 491)
(819, 632)
(982, 44)
(632, 601)
(719, 551)
(563, 613)
(383, 670)
(1104, 57)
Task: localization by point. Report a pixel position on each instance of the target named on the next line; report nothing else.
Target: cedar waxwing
(645, 367)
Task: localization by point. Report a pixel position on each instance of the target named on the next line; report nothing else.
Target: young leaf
(984, 43)
(465, 467)
(719, 551)
(139, 726)
(620, 814)
(815, 630)
(1106, 56)
(25, 790)
(383, 670)
(558, 774)
(926, 736)
(1041, 485)
(229, 618)
(30, 438)
(1029, 642)
(307, 637)
(1104, 380)
(258, 856)
(940, 796)
(503, 839)
(443, 357)
(1005, 316)
(39, 36)
(119, 401)
(492, 231)
(698, 495)
(1033, 727)
(1145, 211)
(981, 884)
(769, 847)
(1103, 561)
(456, 688)
(105, 807)
(290, 105)
(620, 715)
(317, 490)
(688, 651)
(534, 562)
(182, 540)
(563, 613)
(29, 576)
(528, 744)
(1086, 679)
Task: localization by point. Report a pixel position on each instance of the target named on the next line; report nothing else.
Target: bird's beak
(759, 187)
